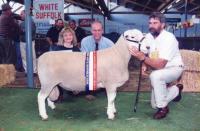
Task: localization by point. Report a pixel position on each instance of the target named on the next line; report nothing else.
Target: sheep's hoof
(44, 118)
(52, 107)
(111, 117)
(115, 111)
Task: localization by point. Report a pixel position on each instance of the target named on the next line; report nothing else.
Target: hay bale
(191, 75)
(191, 60)
(7, 74)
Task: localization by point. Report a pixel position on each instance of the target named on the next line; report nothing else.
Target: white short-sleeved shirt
(165, 46)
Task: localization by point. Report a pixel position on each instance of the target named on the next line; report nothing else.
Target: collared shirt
(88, 43)
(165, 46)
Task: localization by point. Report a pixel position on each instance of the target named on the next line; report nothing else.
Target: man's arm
(85, 45)
(48, 39)
(14, 27)
(154, 63)
(144, 69)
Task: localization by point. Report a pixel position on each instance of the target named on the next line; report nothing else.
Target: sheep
(67, 70)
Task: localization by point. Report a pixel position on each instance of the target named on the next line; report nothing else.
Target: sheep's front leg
(41, 105)
(111, 110)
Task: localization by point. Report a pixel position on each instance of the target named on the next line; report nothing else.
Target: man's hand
(144, 70)
(136, 53)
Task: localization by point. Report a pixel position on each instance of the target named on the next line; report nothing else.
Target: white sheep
(67, 70)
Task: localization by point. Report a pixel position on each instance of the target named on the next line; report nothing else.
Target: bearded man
(165, 60)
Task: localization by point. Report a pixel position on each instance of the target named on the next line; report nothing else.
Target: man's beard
(154, 32)
(59, 27)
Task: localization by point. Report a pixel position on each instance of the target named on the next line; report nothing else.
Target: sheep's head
(134, 38)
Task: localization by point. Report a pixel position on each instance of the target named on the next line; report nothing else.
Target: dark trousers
(7, 51)
(19, 64)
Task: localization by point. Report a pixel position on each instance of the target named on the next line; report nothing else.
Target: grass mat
(19, 112)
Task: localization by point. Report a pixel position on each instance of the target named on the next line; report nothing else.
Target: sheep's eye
(126, 36)
(132, 37)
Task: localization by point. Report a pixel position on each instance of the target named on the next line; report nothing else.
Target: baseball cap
(5, 7)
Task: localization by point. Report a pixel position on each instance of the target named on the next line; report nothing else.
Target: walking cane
(139, 84)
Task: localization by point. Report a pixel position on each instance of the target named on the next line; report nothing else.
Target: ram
(67, 70)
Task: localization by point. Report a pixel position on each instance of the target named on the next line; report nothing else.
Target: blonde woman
(67, 40)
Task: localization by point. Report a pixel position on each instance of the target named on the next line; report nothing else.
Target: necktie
(96, 46)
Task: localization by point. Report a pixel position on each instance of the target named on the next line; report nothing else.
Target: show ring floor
(19, 112)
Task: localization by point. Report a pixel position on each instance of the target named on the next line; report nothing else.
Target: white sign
(45, 11)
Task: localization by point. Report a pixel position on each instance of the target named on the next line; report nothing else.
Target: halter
(138, 42)
(133, 40)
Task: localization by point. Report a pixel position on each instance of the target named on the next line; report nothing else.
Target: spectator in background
(8, 29)
(113, 36)
(53, 33)
(95, 42)
(23, 43)
(19, 65)
(80, 33)
(67, 40)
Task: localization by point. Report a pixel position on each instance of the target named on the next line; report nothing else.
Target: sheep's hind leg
(111, 110)
(51, 104)
(41, 104)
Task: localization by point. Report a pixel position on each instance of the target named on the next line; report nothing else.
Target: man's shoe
(178, 97)
(161, 113)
